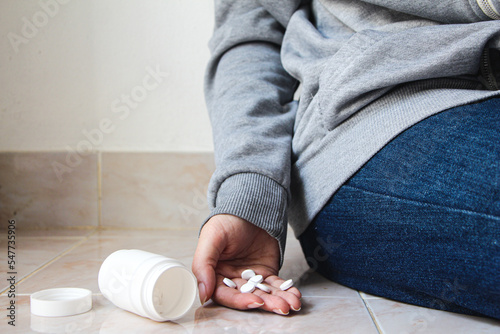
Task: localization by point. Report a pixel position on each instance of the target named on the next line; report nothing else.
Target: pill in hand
(247, 274)
(247, 288)
(286, 285)
(256, 279)
(229, 283)
(263, 287)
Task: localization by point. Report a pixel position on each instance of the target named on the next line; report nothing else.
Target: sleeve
(249, 97)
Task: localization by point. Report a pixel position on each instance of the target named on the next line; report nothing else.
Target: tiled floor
(48, 259)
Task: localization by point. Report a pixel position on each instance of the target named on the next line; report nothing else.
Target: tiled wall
(44, 190)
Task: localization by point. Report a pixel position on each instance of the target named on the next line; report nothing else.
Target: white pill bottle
(147, 284)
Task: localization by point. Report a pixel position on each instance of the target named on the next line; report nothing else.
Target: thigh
(450, 159)
(420, 221)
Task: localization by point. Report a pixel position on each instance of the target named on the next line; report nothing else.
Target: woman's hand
(227, 246)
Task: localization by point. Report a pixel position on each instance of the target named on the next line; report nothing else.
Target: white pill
(263, 287)
(247, 274)
(256, 279)
(229, 283)
(286, 285)
(247, 288)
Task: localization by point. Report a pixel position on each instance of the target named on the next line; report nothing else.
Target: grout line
(368, 297)
(372, 315)
(99, 189)
(46, 264)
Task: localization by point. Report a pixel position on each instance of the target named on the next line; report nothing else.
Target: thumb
(205, 260)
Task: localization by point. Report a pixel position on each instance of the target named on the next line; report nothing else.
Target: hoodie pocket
(389, 59)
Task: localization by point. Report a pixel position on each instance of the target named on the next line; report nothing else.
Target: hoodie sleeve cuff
(259, 200)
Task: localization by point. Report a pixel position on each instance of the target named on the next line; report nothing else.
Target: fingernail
(203, 294)
(296, 310)
(280, 312)
(255, 305)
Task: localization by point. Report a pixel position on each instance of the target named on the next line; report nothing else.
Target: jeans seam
(482, 214)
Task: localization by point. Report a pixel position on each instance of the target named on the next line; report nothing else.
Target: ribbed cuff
(259, 200)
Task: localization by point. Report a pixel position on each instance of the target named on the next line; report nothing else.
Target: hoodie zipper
(488, 9)
(488, 78)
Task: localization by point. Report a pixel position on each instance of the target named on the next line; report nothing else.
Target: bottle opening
(174, 293)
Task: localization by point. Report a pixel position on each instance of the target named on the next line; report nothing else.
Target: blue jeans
(420, 222)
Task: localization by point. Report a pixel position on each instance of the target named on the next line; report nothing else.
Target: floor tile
(318, 315)
(394, 317)
(294, 264)
(336, 315)
(112, 233)
(54, 234)
(103, 318)
(31, 253)
(312, 284)
(80, 266)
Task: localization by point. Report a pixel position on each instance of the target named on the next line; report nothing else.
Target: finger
(205, 260)
(275, 281)
(291, 296)
(275, 303)
(233, 298)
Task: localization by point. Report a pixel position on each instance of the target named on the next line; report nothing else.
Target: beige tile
(318, 315)
(32, 253)
(32, 193)
(80, 266)
(312, 284)
(53, 233)
(103, 318)
(116, 320)
(188, 235)
(155, 190)
(293, 249)
(394, 317)
(294, 263)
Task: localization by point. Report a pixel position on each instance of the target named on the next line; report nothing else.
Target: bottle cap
(61, 302)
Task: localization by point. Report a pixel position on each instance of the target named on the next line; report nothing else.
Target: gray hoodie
(363, 72)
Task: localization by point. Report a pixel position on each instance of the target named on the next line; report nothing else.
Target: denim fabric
(420, 222)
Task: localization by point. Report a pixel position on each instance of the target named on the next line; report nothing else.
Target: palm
(250, 248)
(227, 246)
